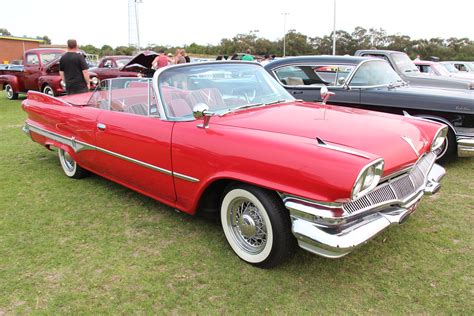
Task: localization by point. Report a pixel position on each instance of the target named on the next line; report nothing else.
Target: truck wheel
(257, 225)
(11, 95)
(448, 150)
(48, 90)
(69, 165)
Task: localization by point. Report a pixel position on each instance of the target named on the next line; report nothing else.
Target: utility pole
(133, 24)
(334, 31)
(285, 14)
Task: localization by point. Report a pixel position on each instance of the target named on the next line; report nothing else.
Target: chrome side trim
(322, 143)
(79, 146)
(184, 177)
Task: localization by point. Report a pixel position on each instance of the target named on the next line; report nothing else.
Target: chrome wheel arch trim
(79, 146)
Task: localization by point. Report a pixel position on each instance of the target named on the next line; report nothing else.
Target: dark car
(372, 84)
(126, 66)
(408, 71)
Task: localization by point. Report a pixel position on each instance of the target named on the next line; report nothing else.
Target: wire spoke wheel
(248, 225)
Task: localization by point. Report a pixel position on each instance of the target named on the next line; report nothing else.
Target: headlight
(63, 84)
(439, 138)
(95, 80)
(368, 178)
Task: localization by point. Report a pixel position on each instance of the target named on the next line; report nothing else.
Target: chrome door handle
(297, 92)
(101, 126)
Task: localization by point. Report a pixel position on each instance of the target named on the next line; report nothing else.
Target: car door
(32, 71)
(134, 147)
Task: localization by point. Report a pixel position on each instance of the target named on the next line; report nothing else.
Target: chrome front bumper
(465, 146)
(334, 237)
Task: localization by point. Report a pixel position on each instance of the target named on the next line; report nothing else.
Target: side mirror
(341, 81)
(201, 112)
(325, 94)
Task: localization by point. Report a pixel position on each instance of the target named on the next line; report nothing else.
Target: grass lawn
(92, 246)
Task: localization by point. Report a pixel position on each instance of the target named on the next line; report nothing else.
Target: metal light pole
(285, 14)
(334, 31)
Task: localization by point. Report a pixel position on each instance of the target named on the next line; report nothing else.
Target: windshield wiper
(251, 105)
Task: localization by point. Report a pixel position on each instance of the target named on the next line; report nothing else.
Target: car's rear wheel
(69, 165)
(48, 90)
(256, 225)
(10, 93)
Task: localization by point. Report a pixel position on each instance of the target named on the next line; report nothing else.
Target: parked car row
(39, 72)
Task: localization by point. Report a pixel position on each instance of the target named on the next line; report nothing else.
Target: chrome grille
(397, 189)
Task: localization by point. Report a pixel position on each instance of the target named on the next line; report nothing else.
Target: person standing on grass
(73, 70)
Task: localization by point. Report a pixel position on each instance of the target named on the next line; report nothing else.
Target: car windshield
(442, 70)
(470, 66)
(375, 73)
(223, 87)
(127, 95)
(47, 57)
(122, 62)
(450, 67)
(404, 63)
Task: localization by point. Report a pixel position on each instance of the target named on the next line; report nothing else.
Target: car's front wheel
(10, 93)
(256, 225)
(69, 165)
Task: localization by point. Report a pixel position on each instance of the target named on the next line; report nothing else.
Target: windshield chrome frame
(158, 72)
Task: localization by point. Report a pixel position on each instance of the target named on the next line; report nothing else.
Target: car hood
(140, 62)
(395, 138)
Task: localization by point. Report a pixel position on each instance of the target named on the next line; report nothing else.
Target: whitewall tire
(256, 225)
(69, 165)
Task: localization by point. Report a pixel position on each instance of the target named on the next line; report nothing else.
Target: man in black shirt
(73, 70)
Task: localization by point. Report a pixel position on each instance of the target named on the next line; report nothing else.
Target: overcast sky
(175, 23)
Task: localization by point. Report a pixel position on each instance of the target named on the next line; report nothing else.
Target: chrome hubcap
(69, 162)
(9, 91)
(48, 91)
(247, 224)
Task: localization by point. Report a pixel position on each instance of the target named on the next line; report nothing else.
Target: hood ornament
(325, 94)
(412, 145)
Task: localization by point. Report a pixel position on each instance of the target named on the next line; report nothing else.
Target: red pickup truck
(40, 72)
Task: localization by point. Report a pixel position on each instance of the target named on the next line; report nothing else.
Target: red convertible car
(226, 137)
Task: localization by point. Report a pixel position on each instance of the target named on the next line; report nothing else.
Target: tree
(5, 32)
(106, 50)
(90, 49)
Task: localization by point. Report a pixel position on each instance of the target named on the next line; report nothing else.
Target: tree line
(299, 44)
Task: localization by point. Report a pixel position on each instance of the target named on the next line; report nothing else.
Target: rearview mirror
(201, 112)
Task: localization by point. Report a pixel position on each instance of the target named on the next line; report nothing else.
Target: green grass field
(92, 246)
